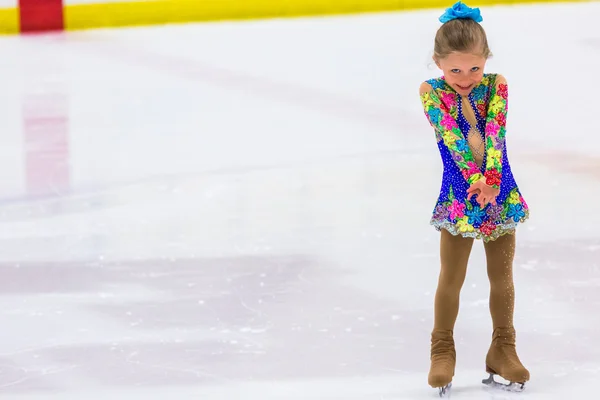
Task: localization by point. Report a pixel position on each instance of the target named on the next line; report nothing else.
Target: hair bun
(461, 11)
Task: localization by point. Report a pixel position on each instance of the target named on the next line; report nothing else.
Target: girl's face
(462, 71)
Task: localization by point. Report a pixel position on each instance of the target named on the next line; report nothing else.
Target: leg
(454, 255)
(502, 358)
(500, 255)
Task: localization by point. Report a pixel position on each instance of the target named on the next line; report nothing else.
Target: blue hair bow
(462, 11)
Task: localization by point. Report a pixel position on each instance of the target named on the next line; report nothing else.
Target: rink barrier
(9, 20)
(86, 16)
(43, 15)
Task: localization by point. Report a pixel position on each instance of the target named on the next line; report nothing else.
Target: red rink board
(41, 15)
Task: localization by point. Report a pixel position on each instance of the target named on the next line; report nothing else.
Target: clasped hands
(485, 193)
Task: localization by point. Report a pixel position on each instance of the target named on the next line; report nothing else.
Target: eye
(455, 71)
(474, 69)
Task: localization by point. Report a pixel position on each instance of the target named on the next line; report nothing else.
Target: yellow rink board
(9, 20)
(85, 16)
(118, 14)
(177, 11)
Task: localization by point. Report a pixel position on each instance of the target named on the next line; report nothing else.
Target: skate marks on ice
(196, 322)
(296, 94)
(592, 42)
(558, 284)
(13, 374)
(36, 377)
(462, 390)
(468, 385)
(578, 163)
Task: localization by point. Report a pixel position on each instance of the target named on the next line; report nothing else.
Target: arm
(447, 130)
(495, 130)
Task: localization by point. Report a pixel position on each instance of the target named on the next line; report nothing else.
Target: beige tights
(454, 255)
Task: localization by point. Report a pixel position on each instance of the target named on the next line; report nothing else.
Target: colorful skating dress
(453, 212)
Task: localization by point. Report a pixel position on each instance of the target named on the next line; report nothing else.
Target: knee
(502, 286)
(500, 275)
(452, 282)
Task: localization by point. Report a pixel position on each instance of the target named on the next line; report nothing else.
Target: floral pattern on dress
(471, 220)
(495, 132)
(453, 211)
(441, 117)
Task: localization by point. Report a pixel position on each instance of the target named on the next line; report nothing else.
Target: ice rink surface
(240, 210)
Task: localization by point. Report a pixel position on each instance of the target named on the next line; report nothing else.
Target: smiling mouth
(464, 87)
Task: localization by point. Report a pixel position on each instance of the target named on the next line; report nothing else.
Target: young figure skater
(479, 198)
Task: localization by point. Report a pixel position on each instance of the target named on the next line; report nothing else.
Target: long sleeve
(447, 130)
(495, 132)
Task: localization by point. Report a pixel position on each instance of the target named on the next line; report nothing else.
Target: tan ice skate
(443, 361)
(502, 360)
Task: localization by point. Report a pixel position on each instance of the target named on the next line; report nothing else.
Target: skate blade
(444, 392)
(511, 387)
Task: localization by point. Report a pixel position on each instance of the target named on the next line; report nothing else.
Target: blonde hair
(460, 35)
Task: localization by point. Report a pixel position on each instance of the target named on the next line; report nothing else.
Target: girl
(479, 198)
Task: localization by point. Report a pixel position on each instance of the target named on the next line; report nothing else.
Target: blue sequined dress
(452, 211)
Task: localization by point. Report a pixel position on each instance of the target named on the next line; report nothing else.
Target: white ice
(240, 210)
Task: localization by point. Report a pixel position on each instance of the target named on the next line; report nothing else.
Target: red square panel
(41, 15)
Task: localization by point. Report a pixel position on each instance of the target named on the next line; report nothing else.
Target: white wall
(8, 3)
